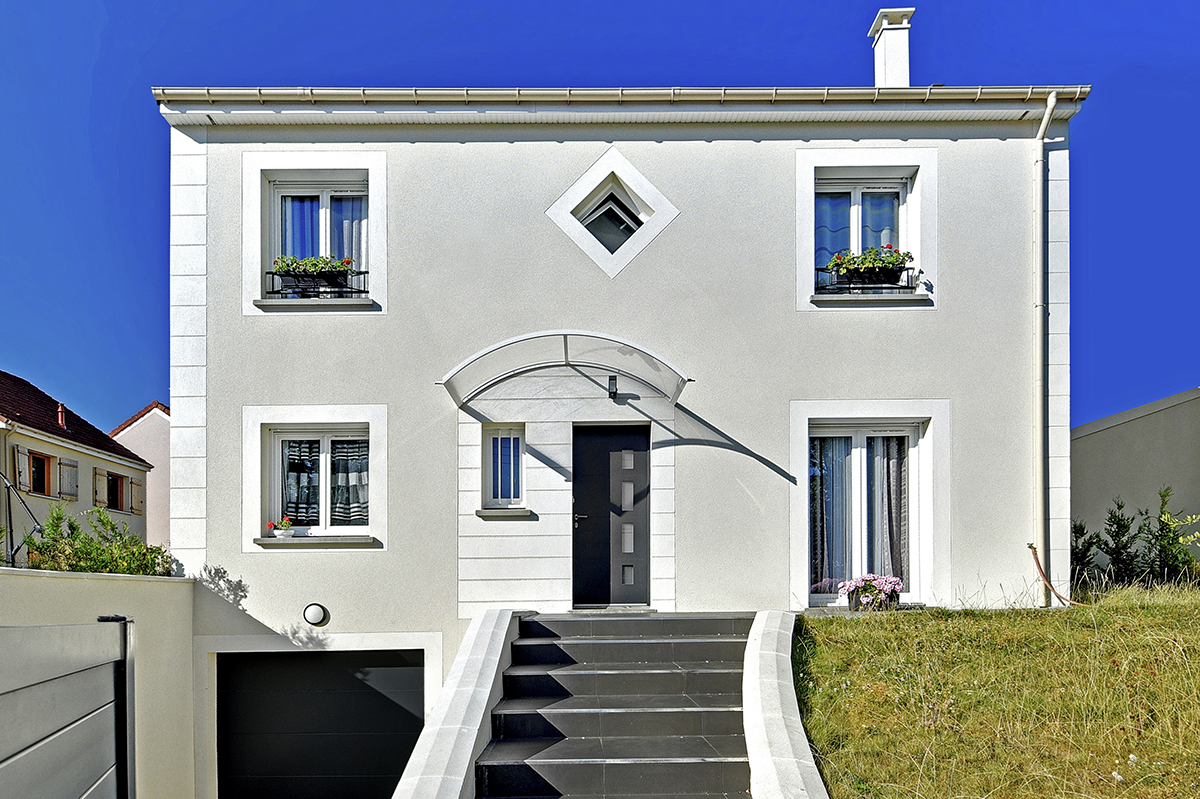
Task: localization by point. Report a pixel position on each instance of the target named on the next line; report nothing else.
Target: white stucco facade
(471, 244)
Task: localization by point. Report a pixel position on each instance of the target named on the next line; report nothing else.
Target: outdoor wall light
(612, 386)
(316, 615)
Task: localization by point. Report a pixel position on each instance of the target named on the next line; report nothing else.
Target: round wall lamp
(316, 615)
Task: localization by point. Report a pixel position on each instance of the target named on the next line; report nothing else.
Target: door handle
(580, 516)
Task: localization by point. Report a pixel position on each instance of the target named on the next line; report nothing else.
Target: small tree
(107, 549)
(1083, 552)
(1119, 545)
(1166, 556)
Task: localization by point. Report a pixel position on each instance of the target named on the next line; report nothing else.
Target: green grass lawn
(1017, 703)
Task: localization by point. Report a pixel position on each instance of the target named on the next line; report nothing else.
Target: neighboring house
(586, 355)
(52, 455)
(1133, 454)
(148, 433)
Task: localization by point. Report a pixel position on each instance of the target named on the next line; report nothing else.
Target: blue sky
(83, 294)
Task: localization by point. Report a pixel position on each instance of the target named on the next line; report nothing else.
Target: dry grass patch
(1100, 701)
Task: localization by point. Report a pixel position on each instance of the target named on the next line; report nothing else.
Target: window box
(340, 284)
(882, 280)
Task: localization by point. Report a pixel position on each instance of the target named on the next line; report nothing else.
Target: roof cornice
(299, 105)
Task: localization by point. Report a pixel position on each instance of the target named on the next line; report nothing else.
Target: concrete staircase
(632, 705)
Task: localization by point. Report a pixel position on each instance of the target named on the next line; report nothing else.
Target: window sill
(887, 300)
(503, 513)
(318, 541)
(315, 303)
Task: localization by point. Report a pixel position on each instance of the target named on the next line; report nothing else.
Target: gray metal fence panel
(65, 711)
(33, 713)
(65, 765)
(37, 654)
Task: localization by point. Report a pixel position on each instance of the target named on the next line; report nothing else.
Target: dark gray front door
(611, 542)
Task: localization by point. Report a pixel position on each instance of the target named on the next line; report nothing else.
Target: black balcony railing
(867, 281)
(316, 285)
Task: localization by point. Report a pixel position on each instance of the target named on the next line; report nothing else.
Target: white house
(148, 432)
(588, 354)
(53, 456)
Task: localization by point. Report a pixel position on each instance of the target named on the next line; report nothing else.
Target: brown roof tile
(27, 405)
(156, 404)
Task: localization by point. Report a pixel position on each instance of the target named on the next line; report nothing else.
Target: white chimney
(890, 32)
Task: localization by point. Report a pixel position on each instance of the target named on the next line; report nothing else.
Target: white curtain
(829, 512)
(887, 505)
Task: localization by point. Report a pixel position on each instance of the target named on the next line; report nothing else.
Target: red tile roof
(156, 404)
(27, 405)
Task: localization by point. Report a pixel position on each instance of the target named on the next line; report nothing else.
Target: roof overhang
(547, 349)
(347, 106)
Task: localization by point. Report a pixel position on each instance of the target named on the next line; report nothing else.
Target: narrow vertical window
(39, 473)
(503, 446)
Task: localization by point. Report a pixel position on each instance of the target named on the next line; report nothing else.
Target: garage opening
(317, 724)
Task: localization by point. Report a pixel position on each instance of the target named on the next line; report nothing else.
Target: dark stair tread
(657, 749)
(619, 667)
(718, 795)
(633, 640)
(617, 703)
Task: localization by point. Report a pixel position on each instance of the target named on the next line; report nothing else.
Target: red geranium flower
(888, 246)
(270, 525)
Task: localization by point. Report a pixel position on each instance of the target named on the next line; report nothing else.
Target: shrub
(1166, 557)
(1083, 553)
(1119, 545)
(108, 549)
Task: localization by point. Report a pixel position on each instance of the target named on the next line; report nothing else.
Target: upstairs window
(853, 217)
(39, 474)
(322, 221)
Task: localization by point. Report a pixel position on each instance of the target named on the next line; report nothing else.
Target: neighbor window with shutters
(34, 471)
(118, 492)
(314, 219)
(503, 475)
(321, 479)
(860, 513)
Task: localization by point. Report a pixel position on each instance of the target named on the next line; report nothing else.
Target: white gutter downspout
(1041, 445)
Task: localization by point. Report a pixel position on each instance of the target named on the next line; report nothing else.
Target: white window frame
(326, 435)
(325, 191)
(822, 168)
(261, 492)
(859, 500)
(929, 478)
(856, 189)
(491, 432)
(261, 171)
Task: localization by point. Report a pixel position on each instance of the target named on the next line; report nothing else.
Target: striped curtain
(829, 512)
(348, 482)
(302, 482)
(887, 505)
(301, 226)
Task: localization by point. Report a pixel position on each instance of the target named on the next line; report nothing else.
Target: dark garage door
(316, 724)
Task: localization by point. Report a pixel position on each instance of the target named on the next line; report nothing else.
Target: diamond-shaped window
(612, 212)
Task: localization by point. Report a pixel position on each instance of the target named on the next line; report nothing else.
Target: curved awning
(551, 348)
